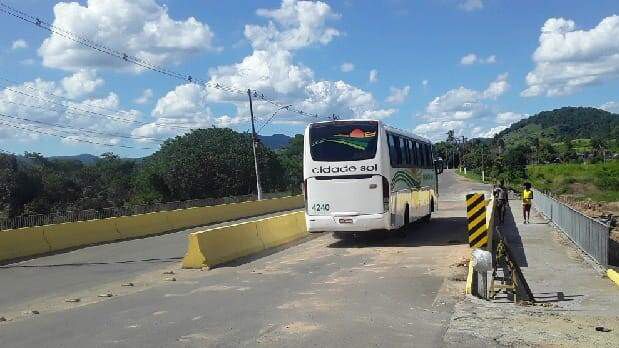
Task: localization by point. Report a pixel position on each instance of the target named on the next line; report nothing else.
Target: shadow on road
(78, 264)
(510, 232)
(439, 231)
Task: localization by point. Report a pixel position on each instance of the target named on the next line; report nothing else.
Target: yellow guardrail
(30, 241)
(223, 244)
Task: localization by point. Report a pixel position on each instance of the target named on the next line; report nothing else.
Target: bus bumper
(357, 223)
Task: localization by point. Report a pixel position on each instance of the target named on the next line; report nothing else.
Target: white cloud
(497, 87)
(184, 106)
(424, 83)
(471, 5)
(464, 110)
(295, 25)
(262, 70)
(373, 78)
(567, 59)
(398, 95)
(507, 118)
(341, 99)
(19, 44)
(138, 28)
(272, 70)
(468, 59)
(81, 83)
(146, 96)
(490, 132)
(33, 100)
(611, 106)
(472, 58)
(347, 67)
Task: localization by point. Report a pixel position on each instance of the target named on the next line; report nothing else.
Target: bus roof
(380, 123)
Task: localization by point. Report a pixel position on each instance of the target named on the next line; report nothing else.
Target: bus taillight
(386, 192)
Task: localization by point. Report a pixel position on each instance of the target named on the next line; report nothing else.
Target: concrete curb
(613, 275)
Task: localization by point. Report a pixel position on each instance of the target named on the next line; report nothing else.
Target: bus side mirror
(438, 164)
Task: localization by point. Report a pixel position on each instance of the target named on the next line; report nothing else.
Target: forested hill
(567, 123)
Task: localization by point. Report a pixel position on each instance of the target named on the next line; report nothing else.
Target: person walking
(502, 200)
(527, 200)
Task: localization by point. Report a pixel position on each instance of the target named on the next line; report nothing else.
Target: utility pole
(483, 174)
(254, 141)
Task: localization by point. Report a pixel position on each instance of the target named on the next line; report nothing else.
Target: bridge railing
(91, 214)
(592, 236)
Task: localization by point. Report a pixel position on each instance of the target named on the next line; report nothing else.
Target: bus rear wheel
(401, 233)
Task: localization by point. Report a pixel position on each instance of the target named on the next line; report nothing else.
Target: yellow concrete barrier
(42, 239)
(75, 234)
(613, 275)
(22, 242)
(142, 225)
(215, 246)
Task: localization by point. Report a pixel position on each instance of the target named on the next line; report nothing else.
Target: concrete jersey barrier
(31, 241)
(215, 246)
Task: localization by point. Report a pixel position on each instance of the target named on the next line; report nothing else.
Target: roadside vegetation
(206, 163)
(595, 181)
(571, 152)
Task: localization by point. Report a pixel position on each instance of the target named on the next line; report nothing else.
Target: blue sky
(474, 66)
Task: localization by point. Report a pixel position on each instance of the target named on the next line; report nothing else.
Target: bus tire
(426, 218)
(401, 232)
(407, 219)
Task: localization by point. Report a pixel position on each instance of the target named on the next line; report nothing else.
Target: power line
(272, 117)
(70, 137)
(90, 113)
(85, 129)
(55, 95)
(140, 61)
(11, 11)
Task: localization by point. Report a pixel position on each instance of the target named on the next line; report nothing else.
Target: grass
(473, 175)
(598, 182)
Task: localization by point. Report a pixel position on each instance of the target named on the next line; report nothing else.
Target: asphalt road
(95, 267)
(373, 291)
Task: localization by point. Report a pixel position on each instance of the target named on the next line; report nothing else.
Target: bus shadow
(438, 232)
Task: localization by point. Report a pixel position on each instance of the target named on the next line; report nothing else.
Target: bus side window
(411, 157)
(392, 153)
(428, 156)
(404, 152)
(417, 157)
(398, 151)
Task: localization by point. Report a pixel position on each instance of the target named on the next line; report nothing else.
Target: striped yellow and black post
(476, 220)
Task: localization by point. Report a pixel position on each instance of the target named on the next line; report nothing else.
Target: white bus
(362, 175)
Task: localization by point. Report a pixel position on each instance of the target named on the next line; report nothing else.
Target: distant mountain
(275, 141)
(85, 158)
(567, 123)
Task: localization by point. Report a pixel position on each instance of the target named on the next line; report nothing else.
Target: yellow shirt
(527, 196)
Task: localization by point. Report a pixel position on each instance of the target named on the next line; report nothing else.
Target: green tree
(291, 158)
(212, 162)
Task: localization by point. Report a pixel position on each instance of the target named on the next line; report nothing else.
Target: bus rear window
(343, 141)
